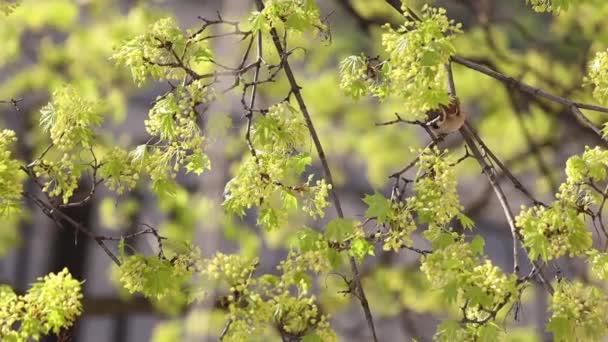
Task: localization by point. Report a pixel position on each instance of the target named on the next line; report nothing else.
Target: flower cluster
(156, 278)
(174, 122)
(551, 233)
(163, 52)
(599, 263)
(269, 178)
(11, 179)
(293, 15)
(70, 118)
(414, 69)
(579, 312)
(561, 229)
(51, 304)
(598, 76)
(119, 170)
(435, 202)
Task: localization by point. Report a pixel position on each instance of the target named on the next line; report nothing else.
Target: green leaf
(298, 21)
(156, 281)
(443, 240)
(537, 246)
(561, 328)
(335, 258)
(290, 201)
(378, 207)
(121, 249)
(430, 58)
(268, 218)
(340, 229)
(258, 22)
(164, 187)
(298, 163)
(466, 222)
(312, 337)
(203, 55)
(450, 291)
(47, 117)
(448, 329)
(307, 239)
(168, 126)
(477, 296)
(478, 244)
(310, 6)
(489, 332)
(301, 276)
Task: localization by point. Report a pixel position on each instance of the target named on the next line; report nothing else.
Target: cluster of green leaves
(458, 269)
(11, 179)
(51, 304)
(482, 289)
(434, 202)
(598, 76)
(164, 52)
(269, 179)
(578, 312)
(252, 302)
(282, 301)
(561, 228)
(553, 232)
(70, 120)
(155, 277)
(599, 263)
(291, 15)
(554, 6)
(414, 71)
(167, 282)
(11, 191)
(174, 122)
(347, 234)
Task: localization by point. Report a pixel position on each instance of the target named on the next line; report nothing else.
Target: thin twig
(53, 212)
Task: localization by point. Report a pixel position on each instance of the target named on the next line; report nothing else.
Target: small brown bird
(446, 119)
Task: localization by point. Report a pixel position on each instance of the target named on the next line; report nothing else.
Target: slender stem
(518, 185)
(226, 329)
(295, 90)
(488, 171)
(591, 107)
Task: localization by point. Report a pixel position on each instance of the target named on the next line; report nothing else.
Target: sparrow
(446, 119)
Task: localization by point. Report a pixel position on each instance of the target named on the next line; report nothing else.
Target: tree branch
(574, 107)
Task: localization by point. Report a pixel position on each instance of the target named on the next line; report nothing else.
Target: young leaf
(340, 229)
(378, 207)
